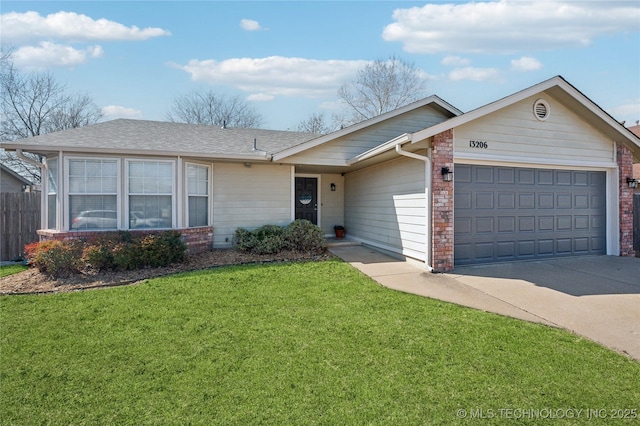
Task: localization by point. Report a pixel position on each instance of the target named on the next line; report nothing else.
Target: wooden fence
(19, 221)
(636, 223)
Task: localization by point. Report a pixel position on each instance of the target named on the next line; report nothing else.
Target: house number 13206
(478, 144)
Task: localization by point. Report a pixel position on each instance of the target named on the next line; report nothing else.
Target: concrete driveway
(597, 297)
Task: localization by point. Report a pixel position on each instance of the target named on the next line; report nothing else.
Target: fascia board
(75, 150)
(387, 146)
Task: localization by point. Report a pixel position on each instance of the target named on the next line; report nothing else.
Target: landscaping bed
(34, 281)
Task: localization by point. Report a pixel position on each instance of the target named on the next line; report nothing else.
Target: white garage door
(508, 213)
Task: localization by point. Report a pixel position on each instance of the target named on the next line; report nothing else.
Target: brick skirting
(198, 239)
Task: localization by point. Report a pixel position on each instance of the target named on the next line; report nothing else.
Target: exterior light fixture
(447, 174)
(247, 164)
(633, 183)
(333, 186)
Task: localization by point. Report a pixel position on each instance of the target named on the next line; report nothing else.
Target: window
(93, 186)
(52, 193)
(150, 194)
(198, 193)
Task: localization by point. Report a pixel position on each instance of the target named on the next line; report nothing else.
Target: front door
(307, 199)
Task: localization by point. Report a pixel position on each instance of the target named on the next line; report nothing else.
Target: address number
(478, 144)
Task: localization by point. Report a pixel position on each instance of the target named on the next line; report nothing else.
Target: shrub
(56, 258)
(111, 250)
(267, 239)
(302, 235)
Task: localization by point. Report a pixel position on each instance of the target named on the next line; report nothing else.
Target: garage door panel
(505, 213)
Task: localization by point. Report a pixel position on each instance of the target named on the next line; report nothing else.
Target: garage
(514, 213)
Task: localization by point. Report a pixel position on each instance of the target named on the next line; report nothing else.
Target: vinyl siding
(332, 202)
(385, 206)
(249, 197)
(514, 132)
(338, 151)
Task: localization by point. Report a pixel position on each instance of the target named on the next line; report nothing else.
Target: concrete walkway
(596, 297)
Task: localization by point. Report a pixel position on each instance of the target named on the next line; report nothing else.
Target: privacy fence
(19, 221)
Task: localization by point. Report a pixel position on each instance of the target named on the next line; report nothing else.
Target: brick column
(625, 170)
(442, 210)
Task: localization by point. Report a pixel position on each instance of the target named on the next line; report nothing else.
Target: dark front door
(307, 199)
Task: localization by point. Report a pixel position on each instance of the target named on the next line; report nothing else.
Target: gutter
(427, 161)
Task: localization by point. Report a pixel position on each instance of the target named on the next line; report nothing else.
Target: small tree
(215, 110)
(382, 86)
(316, 123)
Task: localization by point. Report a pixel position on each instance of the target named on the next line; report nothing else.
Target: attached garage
(510, 213)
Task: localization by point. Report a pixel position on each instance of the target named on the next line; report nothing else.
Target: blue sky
(289, 58)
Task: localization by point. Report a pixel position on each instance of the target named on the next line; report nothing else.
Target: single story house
(544, 172)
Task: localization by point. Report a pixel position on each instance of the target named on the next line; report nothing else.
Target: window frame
(208, 167)
(66, 226)
(126, 194)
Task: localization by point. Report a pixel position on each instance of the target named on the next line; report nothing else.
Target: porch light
(633, 183)
(447, 174)
(333, 186)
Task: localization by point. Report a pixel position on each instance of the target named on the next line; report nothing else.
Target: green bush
(110, 250)
(300, 235)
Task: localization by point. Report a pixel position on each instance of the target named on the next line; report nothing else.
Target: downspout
(44, 170)
(427, 162)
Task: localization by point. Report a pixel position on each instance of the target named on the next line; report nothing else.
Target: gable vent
(541, 109)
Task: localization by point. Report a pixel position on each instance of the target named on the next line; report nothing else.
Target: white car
(95, 219)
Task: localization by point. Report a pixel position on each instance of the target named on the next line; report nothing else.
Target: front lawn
(302, 343)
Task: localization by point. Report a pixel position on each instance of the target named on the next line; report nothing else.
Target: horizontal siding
(249, 197)
(385, 205)
(515, 132)
(332, 207)
(338, 151)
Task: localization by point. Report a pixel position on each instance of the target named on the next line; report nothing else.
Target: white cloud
(250, 25)
(276, 75)
(111, 112)
(474, 74)
(455, 61)
(506, 26)
(260, 97)
(18, 28)
(526, 63)
(47, 54)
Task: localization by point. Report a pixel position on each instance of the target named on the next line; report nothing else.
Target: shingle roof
(125, 135)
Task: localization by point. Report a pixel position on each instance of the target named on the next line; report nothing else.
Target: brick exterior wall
(442, 209)
(625, 169)
(198, 239)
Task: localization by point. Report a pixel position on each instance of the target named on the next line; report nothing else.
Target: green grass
(303, 343)
(11, 269)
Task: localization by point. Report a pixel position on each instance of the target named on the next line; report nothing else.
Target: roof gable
(561, 90)
(434, 101)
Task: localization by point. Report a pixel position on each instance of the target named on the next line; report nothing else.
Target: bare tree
(316, 123)
(382, 86)
(214, 110)
(35, 104)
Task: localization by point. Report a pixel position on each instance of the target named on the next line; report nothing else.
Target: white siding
(385, 206)
(338, 151)
(332, 208)
(249, 197)
(514, 133)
